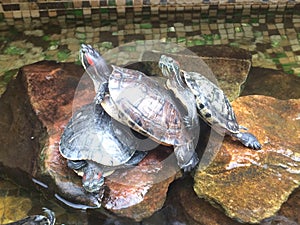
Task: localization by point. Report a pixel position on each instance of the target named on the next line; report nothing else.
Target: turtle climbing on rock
(136, 100)
(213, 106)
(95, 146)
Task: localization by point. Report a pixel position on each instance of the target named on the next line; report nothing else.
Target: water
(272, 40)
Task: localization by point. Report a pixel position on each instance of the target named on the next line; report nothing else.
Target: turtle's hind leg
(247, 139)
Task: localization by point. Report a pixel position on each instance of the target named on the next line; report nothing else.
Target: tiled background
(35, 30)
(10, 9)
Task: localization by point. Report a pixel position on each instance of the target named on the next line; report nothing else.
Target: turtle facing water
(47, 219)
(141, 103)
(213, 106)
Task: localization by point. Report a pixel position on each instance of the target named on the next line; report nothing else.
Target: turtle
(95, 146)
(212, 104)
(141, 103)
(47, 219)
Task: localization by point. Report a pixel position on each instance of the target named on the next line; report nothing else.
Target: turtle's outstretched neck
(95, 65)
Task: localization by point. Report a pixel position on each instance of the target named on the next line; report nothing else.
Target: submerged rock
(273, 83)
(35, 108)
(252, 185)
(13, 208)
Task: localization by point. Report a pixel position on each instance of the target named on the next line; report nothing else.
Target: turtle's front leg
(186, 156)
(103, 89)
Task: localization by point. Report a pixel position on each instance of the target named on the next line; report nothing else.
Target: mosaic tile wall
(16, 9)
(36, 30)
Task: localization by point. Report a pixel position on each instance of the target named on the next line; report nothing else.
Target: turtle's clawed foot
(187, 121)
(103, 89)
(191, 164)
(248, 139)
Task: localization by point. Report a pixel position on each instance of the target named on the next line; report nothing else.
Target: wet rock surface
(252, 185)
(35, 108)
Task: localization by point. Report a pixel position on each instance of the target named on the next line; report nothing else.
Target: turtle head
(169, 66)
(92, 181)
(94, 65)
(171, 69)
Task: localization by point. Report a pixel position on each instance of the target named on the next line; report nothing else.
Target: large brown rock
(34, 110)
(252, 185)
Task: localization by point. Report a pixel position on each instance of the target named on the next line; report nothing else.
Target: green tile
(275, 60)
(112, 2)
(275, 43)
(208, 37)
(181, 39)
(129, 48)
(234, 44)
(281, 55)
(63, 55)
(129, 2)
(145, 25)
(14, 50)
(104, 10)
(8, 75)
(216, 36)
(107, 44)
(189, 43)
(227, 20)
(75, 12)
(199, 42)
(46, 38)
(254, 20)
(68, 5)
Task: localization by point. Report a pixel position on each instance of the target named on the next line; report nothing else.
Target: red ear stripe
(90, 61)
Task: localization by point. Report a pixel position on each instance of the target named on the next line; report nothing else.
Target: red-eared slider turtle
(95, 145)
(213, 106)
(47, 219)
(141, 103)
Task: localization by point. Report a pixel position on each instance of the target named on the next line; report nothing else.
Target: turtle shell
(145, 106)
(93, 135)
(213, 106)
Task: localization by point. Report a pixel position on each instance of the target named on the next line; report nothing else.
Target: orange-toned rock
(139, 192)
(34, 110)
(252, 185)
